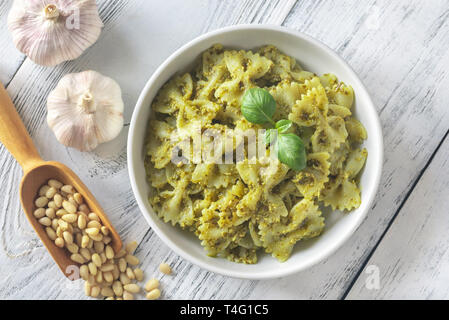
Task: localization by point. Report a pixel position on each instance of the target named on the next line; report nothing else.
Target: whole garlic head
(85, 109)
(52, 31)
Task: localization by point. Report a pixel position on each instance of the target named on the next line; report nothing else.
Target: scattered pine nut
(132, 260)
(128, 296)
(131, 247)
(151, 285)
(165, 268)
(153, 294)
(139, 274)
(70, 224)
(132, 287)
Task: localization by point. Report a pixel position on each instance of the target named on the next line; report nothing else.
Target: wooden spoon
(37, 172)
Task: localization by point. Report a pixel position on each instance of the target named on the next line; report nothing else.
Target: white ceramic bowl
(313, 56)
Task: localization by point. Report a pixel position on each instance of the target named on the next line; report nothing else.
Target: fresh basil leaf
(258, 106)
(291, 151)
(283, 125)
(270, 136)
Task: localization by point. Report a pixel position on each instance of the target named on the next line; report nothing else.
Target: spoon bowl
(37, 172)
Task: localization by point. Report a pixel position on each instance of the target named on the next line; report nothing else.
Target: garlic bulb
(85, 109)
(52, 31)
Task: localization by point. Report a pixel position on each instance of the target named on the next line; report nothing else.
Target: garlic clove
(85, 109)
(52, 31)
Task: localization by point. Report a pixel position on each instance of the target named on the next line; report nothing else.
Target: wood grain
(11, 57)
(413, 257)
(399, 49)
(128, 50)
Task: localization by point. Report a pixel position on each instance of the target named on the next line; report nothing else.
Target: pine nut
(79, 239)
(107, 292)
(58, 200)
(59, 231)
(104, 230)
(68, 238)
(122, 265)
(132, 287)
(110, 298)
(96, 259)
(50, 193)
(82, 221)
(98, 246)
(61, 212)
(51, 204)
(73, 248)
(132, 260)
(109, 252)
(153, 294)
(165, 268)
(107, 240)
(124, 279)
(120, 254)
(92, 268)
(127, 296)
(91, 280)
(78, 198)
(107, 267)
(131, 247)
(87, 289)
(51, 213)
(103, 257)
(41, 202)
(94, 224)
(90, 244)
(55, 224)
(83, 208)
(139, 274)
(77, 258)
(70, 218)
(71, 199)
(130, 273)
(116, 273)
(151, 285)
(39, 213)
(92, 231)
(51, 233)
(95, 292)
(118, 288)
(68, 206)
(98, 237)
(93, 216)
(59, 242)
(86, 254)
(63, 224)
(68, 189)
(85, 241)
(108, 276)
(45, 221)
(55, 183)
(43, 190)
(84, 272)
(99, 277)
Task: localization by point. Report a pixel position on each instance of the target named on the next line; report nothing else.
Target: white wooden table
(400, 49)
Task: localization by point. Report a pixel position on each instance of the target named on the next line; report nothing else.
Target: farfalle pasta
(251, 204)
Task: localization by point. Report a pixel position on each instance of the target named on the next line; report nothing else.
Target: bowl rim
(269, 274)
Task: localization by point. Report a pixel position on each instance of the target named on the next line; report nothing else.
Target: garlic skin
(52, 31)
(85, 109)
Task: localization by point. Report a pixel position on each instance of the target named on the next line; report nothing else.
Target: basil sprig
(258, 106)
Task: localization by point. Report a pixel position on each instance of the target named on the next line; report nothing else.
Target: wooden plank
(11, 58)
(138, 36)
(413, 258)
(399, 51)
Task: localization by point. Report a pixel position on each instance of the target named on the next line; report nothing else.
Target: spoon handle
(14, 135)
